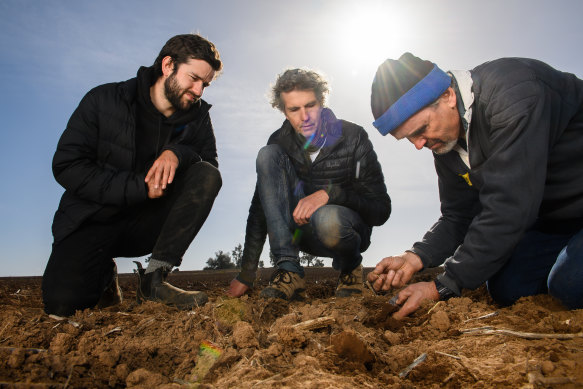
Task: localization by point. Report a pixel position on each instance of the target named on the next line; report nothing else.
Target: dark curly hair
(298, 79)
(183, 47)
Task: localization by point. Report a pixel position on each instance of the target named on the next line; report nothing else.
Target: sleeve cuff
(176, 152)
(336, 195)
(448, 282)
(247, 278)
(424, 260)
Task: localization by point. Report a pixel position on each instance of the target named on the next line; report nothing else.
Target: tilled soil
(255, 343)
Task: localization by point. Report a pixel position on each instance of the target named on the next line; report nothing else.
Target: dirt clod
(392, 338)
(349, 345)
(145, 378)
(254, 343)
(244, 335)
(440, 321)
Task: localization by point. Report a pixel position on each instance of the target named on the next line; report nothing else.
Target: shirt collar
(465, 101)
(463, 81)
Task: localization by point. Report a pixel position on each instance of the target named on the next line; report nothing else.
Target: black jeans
(81, 265)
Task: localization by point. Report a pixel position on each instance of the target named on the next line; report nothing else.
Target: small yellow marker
(466, 177)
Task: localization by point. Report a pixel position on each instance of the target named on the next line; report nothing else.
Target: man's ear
(450, 97)
(167, 66)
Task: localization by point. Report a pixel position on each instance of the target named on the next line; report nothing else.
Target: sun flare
(370, 33)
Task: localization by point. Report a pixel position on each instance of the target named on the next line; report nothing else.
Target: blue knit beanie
(403, 87)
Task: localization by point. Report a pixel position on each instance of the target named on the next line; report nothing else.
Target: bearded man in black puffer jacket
(138, 162)
(320, 189)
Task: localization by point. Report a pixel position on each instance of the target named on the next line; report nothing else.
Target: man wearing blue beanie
(507, 141)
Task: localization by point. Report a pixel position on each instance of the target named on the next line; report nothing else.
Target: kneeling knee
(567, 290)
(326, 224)
(209, 176)
(64, 303)
(267, 155)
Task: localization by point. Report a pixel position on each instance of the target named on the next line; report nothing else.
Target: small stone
(547, 367)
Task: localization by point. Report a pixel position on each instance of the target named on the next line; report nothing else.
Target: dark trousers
(542, 263)
(81, 265)
(333, 231)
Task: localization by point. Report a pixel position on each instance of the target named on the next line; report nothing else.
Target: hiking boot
(112, 294)
(350, 284)
(285, 285)
(153, 287)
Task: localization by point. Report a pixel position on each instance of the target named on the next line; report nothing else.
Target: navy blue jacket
(525, 146)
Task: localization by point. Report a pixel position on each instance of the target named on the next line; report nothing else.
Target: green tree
(237, 255)
(307, 259)
(220, 261)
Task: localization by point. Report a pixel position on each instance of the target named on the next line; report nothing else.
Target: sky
(53, 52)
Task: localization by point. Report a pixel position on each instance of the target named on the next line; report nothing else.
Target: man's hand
(237, 289)
(162, 172)
(412, 296)
(154, 193)
(308, 205)
(395, 272)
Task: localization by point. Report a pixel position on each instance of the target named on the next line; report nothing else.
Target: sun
(369, 34)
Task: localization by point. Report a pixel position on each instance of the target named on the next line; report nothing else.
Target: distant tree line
(233, 260)
(306, 259)
(224, 260)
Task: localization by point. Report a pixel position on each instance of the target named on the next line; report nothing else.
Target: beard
(174, 94)
(446, 148)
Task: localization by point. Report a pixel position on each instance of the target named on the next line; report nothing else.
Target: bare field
(323, 342)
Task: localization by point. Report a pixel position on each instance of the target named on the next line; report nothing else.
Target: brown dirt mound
(323, 342)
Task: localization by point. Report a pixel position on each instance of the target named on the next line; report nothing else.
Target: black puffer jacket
(347, 168)
(95, 157)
